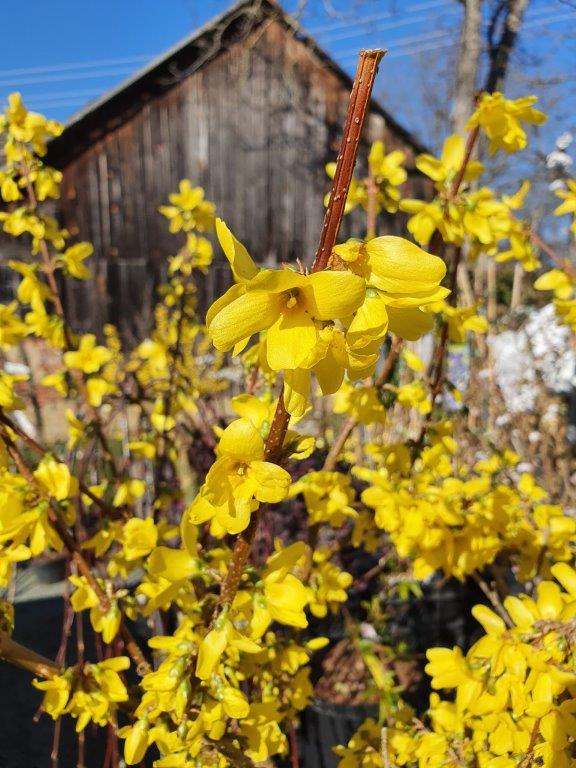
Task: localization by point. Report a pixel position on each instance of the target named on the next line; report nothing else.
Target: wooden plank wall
(255, 127)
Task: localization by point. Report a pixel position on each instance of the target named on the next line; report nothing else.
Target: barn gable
(248, 108)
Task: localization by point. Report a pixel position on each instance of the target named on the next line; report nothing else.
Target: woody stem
(355, 119)
(440, 349)
(23, 657)
(349, 424)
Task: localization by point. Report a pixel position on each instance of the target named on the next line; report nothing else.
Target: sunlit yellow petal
(243, 268)
(248, 314)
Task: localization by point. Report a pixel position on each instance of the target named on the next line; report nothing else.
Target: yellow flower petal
(243, 268)
(491, 623)
(409, 322)
(399, 266)
(248, 314)
(242, 440)
(290, 339)
(331, 295)
(296, 391)
(273, 481)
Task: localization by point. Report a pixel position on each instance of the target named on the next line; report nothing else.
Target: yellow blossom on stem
(443, 170)
(189, 210)
(289, 306)
(239, 479)
(106, 621)
(55, 478)
(401, 278)
(501, 119)
(73, 260)
(569, 204)
(89, 357)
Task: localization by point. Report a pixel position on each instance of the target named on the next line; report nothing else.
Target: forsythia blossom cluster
(165, 475)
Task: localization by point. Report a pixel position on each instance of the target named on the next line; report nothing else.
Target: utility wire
(375, 17)
(67, 76)
(379, 29)
(406, 46)
(361, 22)
(76, 65)
(413, 51)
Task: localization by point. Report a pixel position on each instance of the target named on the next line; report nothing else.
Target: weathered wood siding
(255, 127)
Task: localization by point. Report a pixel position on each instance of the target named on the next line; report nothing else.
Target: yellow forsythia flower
(501, 119)
(56, 479)
(89, 357)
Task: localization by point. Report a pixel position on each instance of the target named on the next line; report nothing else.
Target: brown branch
(437, 380)
(562, 263)
(468, 149)
(336, 448)
(529, 756)
(294, 752)
(493, 597)
(349, 424)
(23, 657)
(357, 110)
(41, 451)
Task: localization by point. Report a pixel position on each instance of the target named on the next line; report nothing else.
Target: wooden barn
(247, 107)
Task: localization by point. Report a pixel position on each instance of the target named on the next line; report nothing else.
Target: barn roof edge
(65, 148)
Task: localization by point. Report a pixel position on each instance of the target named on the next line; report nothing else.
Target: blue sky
(62, 54)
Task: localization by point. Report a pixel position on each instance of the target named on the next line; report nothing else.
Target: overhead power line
(58, 95)
(375, 17)
(349, 26)
(361, 30)
(360, 22)
(403, 41)
(540, 14)
(404, 48)
(66, 77)
(75, 66)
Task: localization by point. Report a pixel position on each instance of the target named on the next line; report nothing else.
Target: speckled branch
(356, 117)
(23, 657)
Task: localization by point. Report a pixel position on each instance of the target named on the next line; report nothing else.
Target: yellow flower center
(292, 300)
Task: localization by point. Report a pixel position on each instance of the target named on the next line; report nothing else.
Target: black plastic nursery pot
(325, 725)
(441, 617)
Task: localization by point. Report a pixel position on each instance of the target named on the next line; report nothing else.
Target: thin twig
(437, 380)
(493, 597)
(294, 752)
(348, 426)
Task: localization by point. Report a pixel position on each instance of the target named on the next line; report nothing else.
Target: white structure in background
(559, 161)
(17, 369)
(543, 349)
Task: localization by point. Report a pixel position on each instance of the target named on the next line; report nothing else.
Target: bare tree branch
(468, 63)
(501, 50)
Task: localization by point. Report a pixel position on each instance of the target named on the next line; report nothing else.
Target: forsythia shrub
(226, 670)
